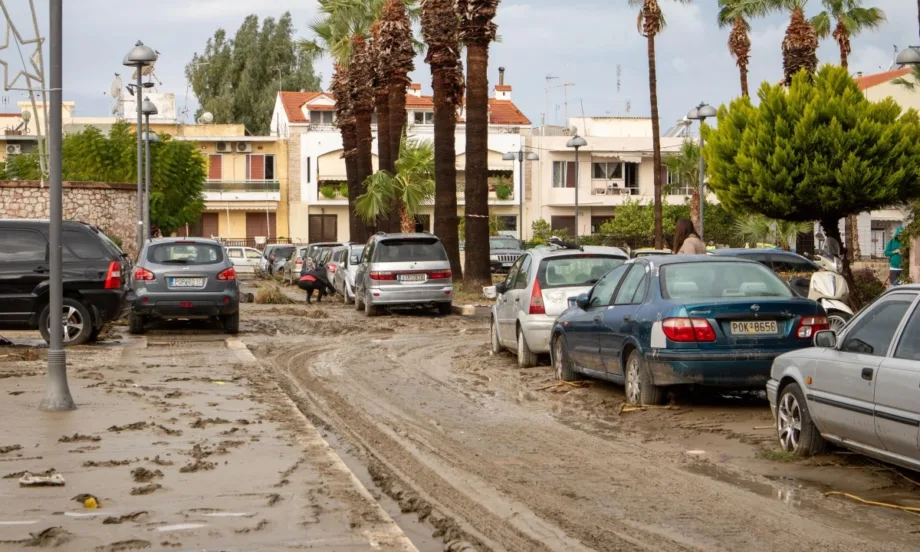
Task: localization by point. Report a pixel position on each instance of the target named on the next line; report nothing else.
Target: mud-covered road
(503, 459)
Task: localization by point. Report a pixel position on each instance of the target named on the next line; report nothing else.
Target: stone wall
(111, 207)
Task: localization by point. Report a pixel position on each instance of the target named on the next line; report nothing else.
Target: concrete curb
(463, 310)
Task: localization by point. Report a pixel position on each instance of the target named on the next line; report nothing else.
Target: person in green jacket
(893, 252)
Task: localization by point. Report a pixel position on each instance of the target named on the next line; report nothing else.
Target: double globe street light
(576, 142)
(701, 113)
(520, 156)
(139, 57)
(148, 108)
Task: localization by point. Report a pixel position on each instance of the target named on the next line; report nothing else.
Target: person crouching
(314, 280)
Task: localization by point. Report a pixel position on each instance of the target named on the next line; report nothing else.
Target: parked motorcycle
(828, 287)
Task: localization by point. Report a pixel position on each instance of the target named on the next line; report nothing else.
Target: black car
(94, 270)
(779, 261)
(503, 252)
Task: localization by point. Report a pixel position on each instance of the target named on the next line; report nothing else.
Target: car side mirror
(500, 288)
(354, 259)
(582, 301)
(826, 339)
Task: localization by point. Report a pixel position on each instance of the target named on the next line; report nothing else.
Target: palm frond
(822, 24)
(380, 188)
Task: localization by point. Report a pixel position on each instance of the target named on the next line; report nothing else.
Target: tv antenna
(565, 91)
(619, 83)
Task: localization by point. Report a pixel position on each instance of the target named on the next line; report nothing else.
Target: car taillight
(810, 325)
(536, 299)
(685, 330)
(113, 276)
(439, 275)
(298, 263)
(144, 275)
(227, 275)
(332, 267)
(383, 275)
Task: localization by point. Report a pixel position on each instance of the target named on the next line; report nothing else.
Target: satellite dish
(117, 85)
(207, 118)
(573, 130)
(26, 116)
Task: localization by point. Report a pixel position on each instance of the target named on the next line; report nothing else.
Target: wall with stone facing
(112, 207)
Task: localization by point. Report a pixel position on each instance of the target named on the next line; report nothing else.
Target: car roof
(208, 241)
(406, 236)
(747, 251)
(595, 249)
(43, 223)
(681, 259)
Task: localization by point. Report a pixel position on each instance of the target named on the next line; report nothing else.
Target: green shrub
(502, 189)
(327, 191)
(867, 287)
(343, 189)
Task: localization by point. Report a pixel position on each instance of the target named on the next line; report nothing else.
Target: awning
(241, 206)
(624, 157)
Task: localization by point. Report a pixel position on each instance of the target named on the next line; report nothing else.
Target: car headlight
(493, 257)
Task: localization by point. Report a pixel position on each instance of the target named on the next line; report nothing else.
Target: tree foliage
(237, 79)
(413, 185)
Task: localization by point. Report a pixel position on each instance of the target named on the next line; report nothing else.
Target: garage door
(209, 225)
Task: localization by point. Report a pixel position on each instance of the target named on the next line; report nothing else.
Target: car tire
(136, 324)
(791, 411)
(526, 357)
(79, 323)
(494, 344)
(445, 309)
(639, 387)
(231, 323)
(563, 366)
(370, 310)
(359, 305)
(94, 335)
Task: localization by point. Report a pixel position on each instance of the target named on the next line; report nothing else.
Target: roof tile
(869, 81)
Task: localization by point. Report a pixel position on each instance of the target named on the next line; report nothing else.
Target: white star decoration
(35, 60)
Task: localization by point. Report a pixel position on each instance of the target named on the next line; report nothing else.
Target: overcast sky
(581, 40)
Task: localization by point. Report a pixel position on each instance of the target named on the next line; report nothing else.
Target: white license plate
(186, 282)
(758, 327)
(412, 277)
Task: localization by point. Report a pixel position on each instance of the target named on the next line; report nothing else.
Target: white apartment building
(319, 212)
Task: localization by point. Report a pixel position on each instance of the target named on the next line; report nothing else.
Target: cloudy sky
(582, 41)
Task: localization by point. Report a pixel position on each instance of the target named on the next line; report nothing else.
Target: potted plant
(502, 190)
(327, 191)
(343, 189)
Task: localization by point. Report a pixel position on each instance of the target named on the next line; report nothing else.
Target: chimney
(859, 74)
(502, 90)
(415, 89)
(501, 76)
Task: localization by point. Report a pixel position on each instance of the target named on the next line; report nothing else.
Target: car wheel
(526, 357)
(136, 324)
(78, 324)
(370, 310)
(94, 335)
(232, 323)
(445, 309)
(562, 364)
(359, 305)
(797, 433)
(494, 344)
(837, 320)
(639, 386)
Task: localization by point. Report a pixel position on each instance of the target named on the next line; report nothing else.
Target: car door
(361, 273)
(897, 393)
(843, 391)
(619, 320)
(236, 256)
(503, 311)
(585, 330)
(518, 298)
(23, 267)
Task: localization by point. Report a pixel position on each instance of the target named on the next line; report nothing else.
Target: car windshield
(356, 253)
(283, 252)
(720, 279)
(504, 243)
(185, 253)
(406, 250)
(576, 270)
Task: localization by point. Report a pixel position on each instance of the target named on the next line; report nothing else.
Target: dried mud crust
(518, 468)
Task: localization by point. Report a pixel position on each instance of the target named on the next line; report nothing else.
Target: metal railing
(242, 186)
(251, 242)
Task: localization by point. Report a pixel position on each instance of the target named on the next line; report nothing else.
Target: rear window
(718, 280)
(82, 246)
(576, 270)
(420, 250)
(185, 253)
(283, 252)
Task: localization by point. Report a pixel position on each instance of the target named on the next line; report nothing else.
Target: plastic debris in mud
(53, 480)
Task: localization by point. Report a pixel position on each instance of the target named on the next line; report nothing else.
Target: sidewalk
(186, 444)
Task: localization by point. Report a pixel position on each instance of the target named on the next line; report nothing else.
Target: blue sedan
(657, 322)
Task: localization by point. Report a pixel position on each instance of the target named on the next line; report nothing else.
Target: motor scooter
(828, 287)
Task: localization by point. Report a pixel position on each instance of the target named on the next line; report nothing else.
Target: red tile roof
(869, 81)
(321, 107)
(419, 102)
(503, 112)
(292, 101)
(502, 88)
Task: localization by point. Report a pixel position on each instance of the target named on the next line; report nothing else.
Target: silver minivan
(399, 270)
(345, 267)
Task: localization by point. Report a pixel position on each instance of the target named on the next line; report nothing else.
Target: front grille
(508, 258)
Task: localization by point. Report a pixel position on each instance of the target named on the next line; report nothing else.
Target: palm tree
(650, 23)
(399, 53)
(851, 20)
(760, 229)
(441, 32)
(737, 13)
(477, 31)
(361, 71)
(911, 81)
(800, 45)
(686, 165)
(412, 185)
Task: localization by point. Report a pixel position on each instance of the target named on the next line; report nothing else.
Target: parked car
(400, 270)
(346, 268)
(294, 264)
(333, 261)
(244, 259)
(777, 260)
(540, 286)
(658, 322)
(857, 389)
(503, 252)
(314, 249)
(636, 253)
(185, 278)
(271, 255)
(93, 267)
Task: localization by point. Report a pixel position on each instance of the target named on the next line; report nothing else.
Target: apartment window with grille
(563, 174)
(321, 117)
(260, 166)
(424, 117)
(607, 171)
(675, 186)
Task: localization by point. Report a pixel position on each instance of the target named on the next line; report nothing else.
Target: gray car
(857, 389)
(185, 278)
(346, 261)
(403, 270)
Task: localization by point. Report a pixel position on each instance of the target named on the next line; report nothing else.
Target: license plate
(186, 282)
(760, 327)
(412, 277)
(572, 301)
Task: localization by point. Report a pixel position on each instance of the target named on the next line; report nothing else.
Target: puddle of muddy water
(781, 493)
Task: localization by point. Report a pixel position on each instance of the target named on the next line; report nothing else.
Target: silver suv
(403, 270)
(185, 278)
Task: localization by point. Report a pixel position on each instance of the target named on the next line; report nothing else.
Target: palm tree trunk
(446, 222)
(364, 168)
(406, 223)
(695, 208)
(477, 271)
(397, 130)
(349, 143)
(384, 154)
(656, 140)
(844, 58)
(742, 68)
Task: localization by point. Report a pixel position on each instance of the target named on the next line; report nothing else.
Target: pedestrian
(314, 280)
(686, 240)
(893, 252)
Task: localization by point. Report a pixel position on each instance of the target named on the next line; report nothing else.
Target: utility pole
(619, 76)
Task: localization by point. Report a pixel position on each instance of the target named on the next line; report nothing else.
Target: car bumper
(537, 330)
(737, 369)
(772, 391)
(435, 295)
(499, 266)
(186, 304)
(107, 305)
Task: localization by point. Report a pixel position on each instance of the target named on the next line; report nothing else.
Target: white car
(244, 259)
(540, 285)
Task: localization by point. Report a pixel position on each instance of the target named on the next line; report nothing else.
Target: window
(323, 228)
(215, 166)
(513, 272)
(260, 166)
(253, 254)
(410, 250)
(602, 294)
(320, 117)
(185, 253)
(792, 263)
(424, 117)
(607, 171)
(308, 169)
(630, 285)
(523, 276)
(22, 246)
(507, 222)
(598, 221)
(873, 332)
(576, 270)
(711, 280)
(563, 223)
(235, 253)
(81, 246)
(909, 347)
(563, 174)
(269, 167)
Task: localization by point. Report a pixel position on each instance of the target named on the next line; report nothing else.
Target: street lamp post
(909, 56)
(148, 108)
(139, 57)
(519, 156)
(576, 142)
(701, 113)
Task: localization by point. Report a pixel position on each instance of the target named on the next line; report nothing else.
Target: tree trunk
(446, 222)
(364, 168)
(406, 223)
(844, 58)
(477, 271)
(397, 129)
(695, 208)
(744, 79)
(354, 187)
(656, 140)
(852, 230)
(384, 156)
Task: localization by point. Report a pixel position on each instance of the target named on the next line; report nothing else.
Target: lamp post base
(57, 393)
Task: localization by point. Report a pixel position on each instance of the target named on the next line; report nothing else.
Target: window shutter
(570, 174)
(214, 167)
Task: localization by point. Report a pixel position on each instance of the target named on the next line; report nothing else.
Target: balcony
(600, 197)
(242, 190)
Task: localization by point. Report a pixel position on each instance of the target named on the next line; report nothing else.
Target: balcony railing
(242, 186)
